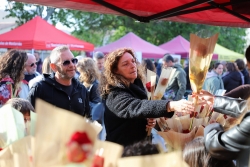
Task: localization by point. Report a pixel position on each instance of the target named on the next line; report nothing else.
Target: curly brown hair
(88, 71)
(12, 64)
(110, 78)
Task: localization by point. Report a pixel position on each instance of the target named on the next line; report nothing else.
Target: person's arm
(222, 104)
(182, 82)
(124, 105)
(227, 145)
(242, 92)
(229, 106)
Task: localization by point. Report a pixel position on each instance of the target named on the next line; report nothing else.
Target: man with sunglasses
(29, 73)
(61, 88)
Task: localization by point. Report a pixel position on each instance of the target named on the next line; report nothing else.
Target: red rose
(79, 147)
(80, 138)
(148, 86)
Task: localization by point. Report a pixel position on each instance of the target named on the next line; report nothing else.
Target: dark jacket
(94, 93)
(188, 86)
(126, 110)
(233, 144)
(232, 80)
(50, 91)
(242, 92)
(246, 76)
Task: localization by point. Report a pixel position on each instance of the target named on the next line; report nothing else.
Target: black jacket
(50, 91)
(126, 110)
(232, 80)
(229, 145)
(246, 76)
(234, 143)
(94, 93)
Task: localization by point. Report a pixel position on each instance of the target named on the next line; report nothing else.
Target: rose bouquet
(185, 127)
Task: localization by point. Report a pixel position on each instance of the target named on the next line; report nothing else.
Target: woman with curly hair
(12, 65)
(127, 110)
(89, 76)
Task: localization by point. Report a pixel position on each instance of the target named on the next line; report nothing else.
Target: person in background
(177, 84)
(127, 111)
(140, 148)
(99, 60)
(232, 79)
(213, 81)
(30, 73)
(89, 77)
(242, 67)
(39, 62)
(196, 155)
(61, 88)
(45, 70)
(23, 106)
(188, 86)
(12, 65)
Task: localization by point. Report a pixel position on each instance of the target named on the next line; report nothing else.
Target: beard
(63, 73)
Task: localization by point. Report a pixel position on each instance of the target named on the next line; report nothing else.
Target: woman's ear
(53, 67)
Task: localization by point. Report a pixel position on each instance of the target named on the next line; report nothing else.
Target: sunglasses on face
(32, 64)
(67, 62)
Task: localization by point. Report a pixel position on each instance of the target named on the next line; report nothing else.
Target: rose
(79, 147)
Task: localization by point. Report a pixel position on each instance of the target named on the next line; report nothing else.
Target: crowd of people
(117, 82)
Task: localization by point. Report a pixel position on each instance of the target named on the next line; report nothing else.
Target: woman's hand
(204, 97)
(181, 106)
(151, 123)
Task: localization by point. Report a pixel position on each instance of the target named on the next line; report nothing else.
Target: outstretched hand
(204, 97)
(182, 106)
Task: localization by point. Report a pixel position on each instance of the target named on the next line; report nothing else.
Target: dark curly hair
(12, 64)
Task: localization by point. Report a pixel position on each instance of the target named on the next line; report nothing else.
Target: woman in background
(12, 65)
(89, 77)
(232, 79)
(213, 80)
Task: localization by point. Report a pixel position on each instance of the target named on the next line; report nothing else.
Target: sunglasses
(31, 65)
(67, 62)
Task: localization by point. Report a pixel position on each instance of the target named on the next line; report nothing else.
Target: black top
(126, 110)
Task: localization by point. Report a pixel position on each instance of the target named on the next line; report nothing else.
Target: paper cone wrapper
(214, 117)
(200, 56)
(54, 128)
(149, 75)
(165, 76)
(177, 140)
(7, 163)
(12, 125)
(184, 121)
(172, 159)
(200, 122)
(111, 152)
(199, 132)
(5, 154)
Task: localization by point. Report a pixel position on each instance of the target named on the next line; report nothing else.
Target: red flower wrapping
(76, 152)
(148, 86)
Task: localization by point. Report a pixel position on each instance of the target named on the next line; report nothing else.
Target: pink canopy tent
(137, 44)
(180, 46)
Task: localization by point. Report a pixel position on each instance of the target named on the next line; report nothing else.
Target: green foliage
(101, 29)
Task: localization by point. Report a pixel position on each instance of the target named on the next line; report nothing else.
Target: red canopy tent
(134, 42)
(234, 13)
(40, 35)
(180, 46)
